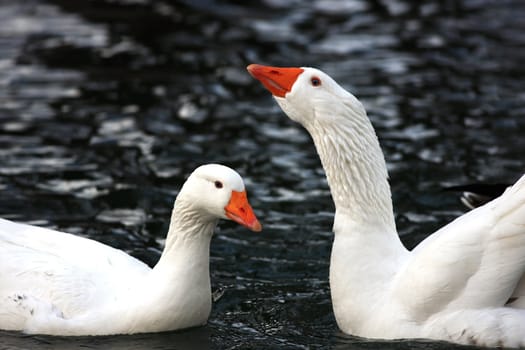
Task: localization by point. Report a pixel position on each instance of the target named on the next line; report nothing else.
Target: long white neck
(355, 168)
(187, 248)
(178, 291)
(367, 251)
(189, 235)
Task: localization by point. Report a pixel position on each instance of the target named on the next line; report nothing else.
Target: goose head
(307, 95)
(217, 191)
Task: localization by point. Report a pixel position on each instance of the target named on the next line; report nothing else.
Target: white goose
(462, 284)
(56, 283)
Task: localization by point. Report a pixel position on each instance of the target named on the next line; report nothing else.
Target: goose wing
(475, 261)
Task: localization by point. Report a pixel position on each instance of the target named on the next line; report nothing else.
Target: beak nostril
(278, 80)
(239, 210)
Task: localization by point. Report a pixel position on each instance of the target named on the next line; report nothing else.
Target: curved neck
(367, 251)
(177, 293)
(355, 169)
(189, 236)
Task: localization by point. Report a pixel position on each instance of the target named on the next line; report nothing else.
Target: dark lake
(107, 105)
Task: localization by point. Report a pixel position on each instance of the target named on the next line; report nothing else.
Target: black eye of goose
(218, 184)
(315, 81)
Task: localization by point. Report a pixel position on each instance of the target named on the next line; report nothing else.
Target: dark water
(106, 107)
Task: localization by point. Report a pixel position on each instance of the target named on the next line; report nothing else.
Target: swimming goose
(56, 283)
(462, 284)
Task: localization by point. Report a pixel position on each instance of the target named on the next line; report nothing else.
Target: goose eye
(218, 184)
(315, 81)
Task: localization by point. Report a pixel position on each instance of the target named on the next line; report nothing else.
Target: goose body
(57, 283)
(464, 283)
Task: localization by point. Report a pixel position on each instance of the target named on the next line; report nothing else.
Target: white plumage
(464, 283)
(56, 283)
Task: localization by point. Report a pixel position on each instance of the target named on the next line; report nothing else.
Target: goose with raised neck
(56, 283)
(462, 284)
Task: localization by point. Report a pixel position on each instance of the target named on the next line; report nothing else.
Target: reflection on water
(106, 106)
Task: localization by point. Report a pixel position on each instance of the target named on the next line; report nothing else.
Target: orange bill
(279, 80)
(239, 210)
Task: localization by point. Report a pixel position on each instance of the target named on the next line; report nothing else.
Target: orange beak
(279, 80)
(239, 210)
